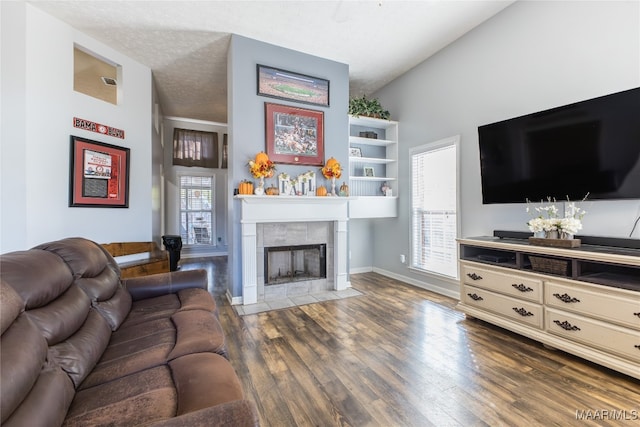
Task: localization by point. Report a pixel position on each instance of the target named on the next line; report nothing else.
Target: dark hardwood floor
(403, 356)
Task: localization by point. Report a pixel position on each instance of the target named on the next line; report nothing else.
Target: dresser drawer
(518, 310)
(606, 305)
(514, 284)
(611, 338)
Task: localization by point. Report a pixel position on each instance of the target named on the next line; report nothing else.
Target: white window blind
(434, 207)
(197, 221)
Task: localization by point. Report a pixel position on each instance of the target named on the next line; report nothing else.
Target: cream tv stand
(590, 309)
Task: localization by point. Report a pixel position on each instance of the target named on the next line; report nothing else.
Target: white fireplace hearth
(271, 219)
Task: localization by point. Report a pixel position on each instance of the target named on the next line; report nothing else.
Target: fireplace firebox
(286, 264)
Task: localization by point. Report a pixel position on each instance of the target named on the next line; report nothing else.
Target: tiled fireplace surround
(294, 233)
(292, 220)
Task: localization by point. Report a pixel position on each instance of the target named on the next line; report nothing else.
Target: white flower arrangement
(547, 219)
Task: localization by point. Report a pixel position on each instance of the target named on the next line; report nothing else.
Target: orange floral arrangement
(332, 169)
(262, 167)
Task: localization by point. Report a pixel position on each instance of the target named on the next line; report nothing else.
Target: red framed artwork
(99, 174)
(294, 135)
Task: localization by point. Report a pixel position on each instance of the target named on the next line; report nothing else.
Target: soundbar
(616, 242)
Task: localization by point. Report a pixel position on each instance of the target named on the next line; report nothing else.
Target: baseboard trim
(192, 255)
(233, 300)
(357, 270)
(455, 294)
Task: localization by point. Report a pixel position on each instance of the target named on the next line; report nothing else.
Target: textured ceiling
(185, 43)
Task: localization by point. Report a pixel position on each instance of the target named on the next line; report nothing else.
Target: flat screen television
(590, 147)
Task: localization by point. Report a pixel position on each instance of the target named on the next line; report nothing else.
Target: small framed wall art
(294, 135)
(368, 171)
(98, 175)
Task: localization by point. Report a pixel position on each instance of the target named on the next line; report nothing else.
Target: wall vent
(109, 81)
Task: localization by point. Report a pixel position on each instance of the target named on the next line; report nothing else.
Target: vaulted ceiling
(185, 43)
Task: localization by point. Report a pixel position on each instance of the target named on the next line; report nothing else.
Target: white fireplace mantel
(270, 209)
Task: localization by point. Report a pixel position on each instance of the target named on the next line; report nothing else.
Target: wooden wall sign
(97, 128)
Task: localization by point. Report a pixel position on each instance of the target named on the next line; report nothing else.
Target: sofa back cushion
(97, 274)
(32, 389)
(75, 334)
(37, 276)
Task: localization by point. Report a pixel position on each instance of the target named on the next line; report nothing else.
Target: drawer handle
(522, 312)
(636, 314)
(522, 288)
(475, 297)
(566, 325)
(474, 276)
(566, 298)
(637, 346)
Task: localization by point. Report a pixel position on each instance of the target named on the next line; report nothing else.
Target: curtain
(195, 148)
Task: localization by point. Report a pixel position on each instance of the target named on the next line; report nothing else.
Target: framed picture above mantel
(98, 174)
(294, 135)
(282, 84)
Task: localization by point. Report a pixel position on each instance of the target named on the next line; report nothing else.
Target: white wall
(37, 53)
(530, 57)
(173, 187)
(157, 169)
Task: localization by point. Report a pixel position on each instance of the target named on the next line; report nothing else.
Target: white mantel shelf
(248, 198)
(274, 209)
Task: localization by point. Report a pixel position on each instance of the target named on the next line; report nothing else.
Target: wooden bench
(157, 260)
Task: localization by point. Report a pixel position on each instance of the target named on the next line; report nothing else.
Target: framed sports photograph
(368, 171)
(98, 175)
(294, 135)
(282, 84)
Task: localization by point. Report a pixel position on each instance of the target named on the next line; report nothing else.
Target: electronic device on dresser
(590, 147)
(612, 242)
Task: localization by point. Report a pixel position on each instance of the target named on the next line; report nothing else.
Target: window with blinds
(434, 207)
(196, 210)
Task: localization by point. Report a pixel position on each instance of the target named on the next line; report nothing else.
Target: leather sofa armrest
(164, 283)
(239, 413)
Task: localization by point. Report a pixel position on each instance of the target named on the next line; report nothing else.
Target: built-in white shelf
(374, 160)
(371, 178)
(380, 154)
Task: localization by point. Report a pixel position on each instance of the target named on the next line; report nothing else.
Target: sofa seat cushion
(189, 383)
(166, 305)
(203, 380)
(154, 343)
(133, 350)
(133, 400)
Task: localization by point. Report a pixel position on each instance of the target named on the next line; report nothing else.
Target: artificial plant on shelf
(367, 107)
(332, 171)
(547, 221)
(261, 167)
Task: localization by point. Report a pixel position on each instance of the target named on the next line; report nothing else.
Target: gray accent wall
(247, 122)
(530, 57)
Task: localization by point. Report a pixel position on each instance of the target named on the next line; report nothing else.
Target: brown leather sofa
(80, 347)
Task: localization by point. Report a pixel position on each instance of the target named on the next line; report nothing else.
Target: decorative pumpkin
(246, 187)
(262, 157)
(272, 191)
(331, 162)
(321, 191)
(344, 190)
(331, 169)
